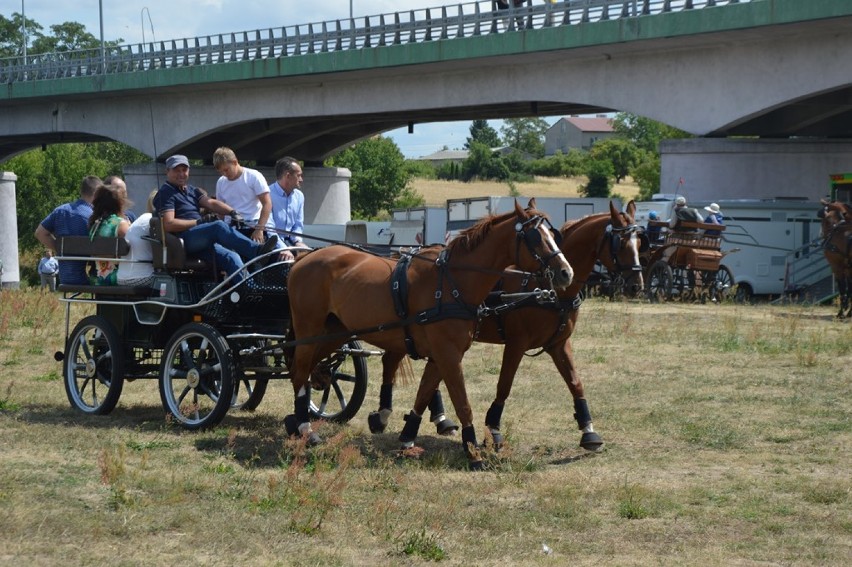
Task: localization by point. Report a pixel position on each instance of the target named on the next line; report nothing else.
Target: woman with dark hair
(108, 208)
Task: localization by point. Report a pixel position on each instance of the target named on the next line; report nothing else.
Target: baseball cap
(176, 160)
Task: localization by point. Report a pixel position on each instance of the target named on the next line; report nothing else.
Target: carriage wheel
(197, 376)
(660, 280)
(344, 393)
(94, 366)
(248, 393)
(722, 284)
(744, 294)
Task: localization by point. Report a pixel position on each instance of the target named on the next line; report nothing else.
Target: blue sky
(133, 20)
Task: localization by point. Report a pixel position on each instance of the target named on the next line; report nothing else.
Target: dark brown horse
(837, 247)
(615, 240)
(424, 305)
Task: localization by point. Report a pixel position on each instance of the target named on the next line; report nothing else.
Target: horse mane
(469, 238)
(574, 225)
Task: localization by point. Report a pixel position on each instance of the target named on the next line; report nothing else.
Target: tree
(482, 163)
(69, 36)
(379, 176)
(647, 175)
(482, 132)
(600, 178)
(525, 134)
(11, 38)
(645, 133)
(620, 152)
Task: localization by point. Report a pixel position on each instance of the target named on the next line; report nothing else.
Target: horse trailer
(462, 213)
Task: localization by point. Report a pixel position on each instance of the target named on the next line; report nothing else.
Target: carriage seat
(171, 256)
(98, 247)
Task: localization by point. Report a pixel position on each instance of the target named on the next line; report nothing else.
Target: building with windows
(576, 132)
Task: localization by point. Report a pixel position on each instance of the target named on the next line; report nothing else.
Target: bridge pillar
(11, 276)
(326, 189)
(744, 168)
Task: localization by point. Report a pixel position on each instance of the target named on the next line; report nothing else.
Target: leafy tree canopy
(525, 134)
(379, 176)
(621, 152)
(645, 133)
(482, 132)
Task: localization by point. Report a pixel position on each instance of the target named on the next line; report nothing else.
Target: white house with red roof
(577, 132)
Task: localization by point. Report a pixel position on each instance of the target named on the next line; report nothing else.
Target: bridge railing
(455, 21)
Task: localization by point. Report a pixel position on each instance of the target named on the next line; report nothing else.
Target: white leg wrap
(305, 428)
(384, 415)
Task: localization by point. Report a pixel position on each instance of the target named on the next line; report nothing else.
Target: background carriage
(686, 263)
(211, 346)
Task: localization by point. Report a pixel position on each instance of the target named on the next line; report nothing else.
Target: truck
(840, 187)
(462, 213)
(767, 241)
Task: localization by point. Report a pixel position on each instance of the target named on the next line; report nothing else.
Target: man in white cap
(179, 205)
(682, 213)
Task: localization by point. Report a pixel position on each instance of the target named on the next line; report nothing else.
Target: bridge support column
(11, 276)
(326, 189)
(713, 168)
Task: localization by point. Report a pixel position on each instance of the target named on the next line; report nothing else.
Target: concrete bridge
(769, 68)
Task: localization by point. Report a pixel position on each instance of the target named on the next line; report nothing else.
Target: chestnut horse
(424, 304)
(837, 247)
(613, 238)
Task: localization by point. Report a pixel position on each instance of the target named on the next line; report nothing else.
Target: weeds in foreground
(6, 403)
(422, 545)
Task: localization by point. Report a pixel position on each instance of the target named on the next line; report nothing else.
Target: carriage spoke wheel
(345, 385)
(248, 389)
(197, 376)
(93, 367)
(722, 284)
(660, 281)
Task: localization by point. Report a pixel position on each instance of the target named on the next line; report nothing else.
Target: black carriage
(687, 264)
(212, 345)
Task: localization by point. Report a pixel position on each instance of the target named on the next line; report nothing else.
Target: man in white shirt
(246, 191)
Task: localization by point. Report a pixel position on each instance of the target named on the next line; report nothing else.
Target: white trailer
(418, 226)
(462, 213)
(763, 237)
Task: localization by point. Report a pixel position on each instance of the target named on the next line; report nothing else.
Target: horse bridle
(616, 235)
(528, 231)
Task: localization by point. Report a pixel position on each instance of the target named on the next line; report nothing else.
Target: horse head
(835, 216)
(626, 242)
(541, 242)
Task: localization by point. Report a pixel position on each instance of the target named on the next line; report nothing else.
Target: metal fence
(466, 20)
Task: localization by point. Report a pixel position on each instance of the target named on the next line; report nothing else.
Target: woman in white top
(137, 268)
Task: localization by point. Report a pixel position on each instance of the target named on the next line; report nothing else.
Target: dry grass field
(436, 192)
(728, 434)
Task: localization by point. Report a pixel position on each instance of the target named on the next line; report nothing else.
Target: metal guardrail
(466, 20)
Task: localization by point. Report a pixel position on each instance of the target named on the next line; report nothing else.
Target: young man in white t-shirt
(246, 191)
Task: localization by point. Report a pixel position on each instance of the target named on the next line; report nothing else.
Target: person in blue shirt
(654, 232)
(715, 217)
(288, 204)
(206, 237)
(70, 219)
(48, 267)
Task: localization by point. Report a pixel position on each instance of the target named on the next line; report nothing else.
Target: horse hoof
(314, 439)
(476, 466)
(497, 440)
(291, 424)
(447, 427)
(591, 441)
(374, 420)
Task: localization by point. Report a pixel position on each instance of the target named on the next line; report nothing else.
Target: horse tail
(405, 372)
